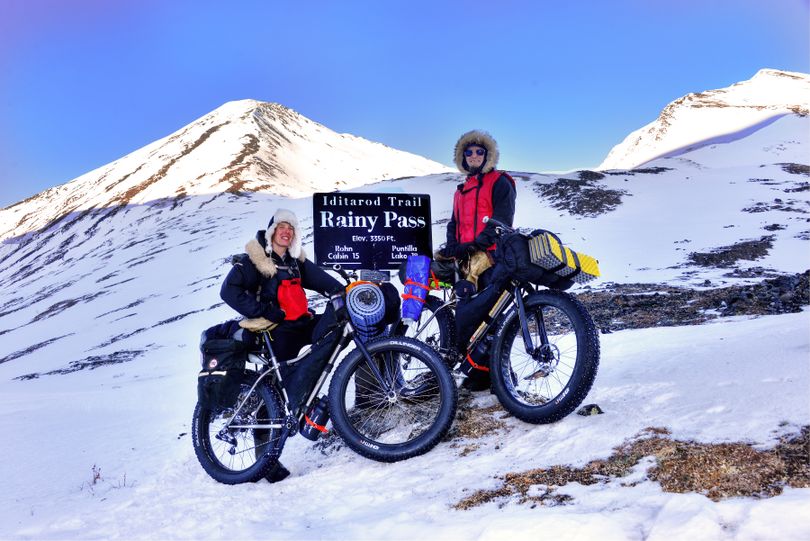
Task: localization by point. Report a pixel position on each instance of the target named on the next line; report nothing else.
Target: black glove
(274, 314)
(464, 249)
(446, 251)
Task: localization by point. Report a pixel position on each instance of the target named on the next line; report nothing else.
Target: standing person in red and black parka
(486, 191)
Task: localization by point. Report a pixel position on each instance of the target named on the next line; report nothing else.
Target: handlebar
(369, 275)
(500, 227)
(339, 269)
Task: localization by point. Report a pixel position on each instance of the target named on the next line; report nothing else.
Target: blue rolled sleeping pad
(366, 306)
(417, 276)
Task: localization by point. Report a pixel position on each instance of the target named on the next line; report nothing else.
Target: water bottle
(476, 360)
(313, 425)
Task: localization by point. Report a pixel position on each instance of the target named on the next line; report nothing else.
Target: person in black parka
(268, 280)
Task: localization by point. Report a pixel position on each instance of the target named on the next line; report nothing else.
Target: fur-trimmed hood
(256, 250)
(480, 138)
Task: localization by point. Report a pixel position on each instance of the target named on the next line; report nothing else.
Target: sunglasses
(478, 152)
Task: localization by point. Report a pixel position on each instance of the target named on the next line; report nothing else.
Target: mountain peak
(701, 118)
(771, 72)
(242, 146)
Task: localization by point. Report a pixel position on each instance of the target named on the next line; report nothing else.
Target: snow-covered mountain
(101, 310)
(714, 117)
(243, 146)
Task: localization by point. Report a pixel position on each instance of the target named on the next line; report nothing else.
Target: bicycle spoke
(401, 417)
(535, 382)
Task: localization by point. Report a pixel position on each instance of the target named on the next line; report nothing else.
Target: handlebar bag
(223, 371)
(444, 271)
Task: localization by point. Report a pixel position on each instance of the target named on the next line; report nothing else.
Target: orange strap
(476, 365)
(357, 283)
(410, 282)
(316, 426)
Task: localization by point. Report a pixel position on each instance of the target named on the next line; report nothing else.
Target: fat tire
(585, 366)
(204, 447)
(424, 442)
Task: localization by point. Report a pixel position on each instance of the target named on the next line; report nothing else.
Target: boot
(277, 473)
(476, 382)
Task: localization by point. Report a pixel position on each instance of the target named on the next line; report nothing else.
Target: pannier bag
(540, 258)
(393, 303)
(223, 371)
(513, 261)
(417, 275)
(547, 250)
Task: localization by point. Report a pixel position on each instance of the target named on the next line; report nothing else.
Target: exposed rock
(635, 306)
(583, 196)
(726, 256)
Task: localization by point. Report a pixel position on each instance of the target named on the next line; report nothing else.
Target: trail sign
(370, 230)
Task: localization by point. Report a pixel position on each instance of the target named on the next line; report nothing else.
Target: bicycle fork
(541, 353)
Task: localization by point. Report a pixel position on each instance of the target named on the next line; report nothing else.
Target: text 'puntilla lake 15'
(370, 230)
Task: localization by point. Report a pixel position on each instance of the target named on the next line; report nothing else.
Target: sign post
(375, 231)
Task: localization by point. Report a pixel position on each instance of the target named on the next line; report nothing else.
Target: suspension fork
(542, 349)
(524, 322)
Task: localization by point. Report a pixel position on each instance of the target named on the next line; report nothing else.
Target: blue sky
(558, 84)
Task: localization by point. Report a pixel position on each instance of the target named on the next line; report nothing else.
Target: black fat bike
(542, 346)
(390, 399)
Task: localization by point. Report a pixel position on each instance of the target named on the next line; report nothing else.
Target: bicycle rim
(418, 405)
(535, 382)
(231, 446)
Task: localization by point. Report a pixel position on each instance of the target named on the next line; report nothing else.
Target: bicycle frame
(511, 296)
(273, 366)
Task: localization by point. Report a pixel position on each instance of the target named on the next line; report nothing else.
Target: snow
(144, 282)
(709, 383)
(701, 119)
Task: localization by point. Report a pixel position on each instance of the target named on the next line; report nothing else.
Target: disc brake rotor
(547, 357)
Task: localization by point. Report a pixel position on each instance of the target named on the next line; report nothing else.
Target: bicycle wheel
(408, 419)
(239, 453)
(547, 386)
(439, 333)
